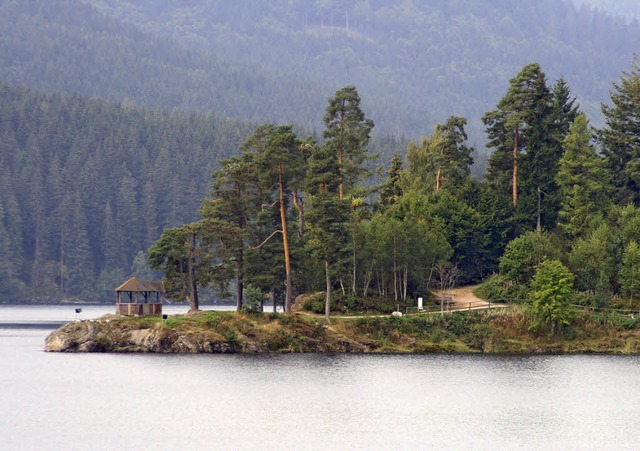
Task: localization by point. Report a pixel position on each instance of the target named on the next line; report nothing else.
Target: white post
(420, 303)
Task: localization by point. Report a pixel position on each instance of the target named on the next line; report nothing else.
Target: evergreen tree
(582, 180)
(328, 215)
(282, 165)
(442, 159)
(193, 256)
(564, 108)
(391, 189)
(621, 137)
(527, 150)
(347, 134)
(235, 198)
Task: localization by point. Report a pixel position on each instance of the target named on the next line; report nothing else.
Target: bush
(498, 288)
(314, 304)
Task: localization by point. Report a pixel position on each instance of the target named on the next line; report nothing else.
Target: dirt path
(462, 298)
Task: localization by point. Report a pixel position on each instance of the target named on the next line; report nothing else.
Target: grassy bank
(495, 331)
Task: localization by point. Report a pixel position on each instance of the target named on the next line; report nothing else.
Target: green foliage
(526, 131)
(254, 299)
(524, 253)
(291, 54)
(195, 255)
(583, 181)
(551, 296)
(98, 182)
(442, 160)
(630, 271)
(619, 138)
(498, 288)
(87, 186)
(391, 189)
(347, 134)
(314, 304)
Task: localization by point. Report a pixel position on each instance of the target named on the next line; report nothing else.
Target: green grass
(496, 331)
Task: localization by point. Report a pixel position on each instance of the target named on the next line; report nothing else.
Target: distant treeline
(86, 185)
(414, 62)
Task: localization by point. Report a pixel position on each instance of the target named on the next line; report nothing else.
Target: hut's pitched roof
(137, 285)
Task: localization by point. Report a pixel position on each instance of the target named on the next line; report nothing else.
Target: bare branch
(265, 206)
(265, 241)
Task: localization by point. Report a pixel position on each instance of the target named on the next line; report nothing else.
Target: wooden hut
(139, 297)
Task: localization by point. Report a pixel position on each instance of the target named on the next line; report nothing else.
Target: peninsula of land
(504, 330)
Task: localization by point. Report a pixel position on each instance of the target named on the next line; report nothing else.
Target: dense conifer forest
(349, 199)
(88, 185)
(414, 63)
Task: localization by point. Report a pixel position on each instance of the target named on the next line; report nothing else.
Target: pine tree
(328, 215)
(621, 137)
(193, 256)
(443, 159)
(524, 163)
(235, 198)
(282, 165)
(347, 134)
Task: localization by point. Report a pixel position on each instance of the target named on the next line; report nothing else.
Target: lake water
(51, 401)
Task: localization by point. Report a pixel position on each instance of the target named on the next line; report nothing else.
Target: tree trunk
(353, 285)
(341, 156)
(285, 241)
(515, 170)
(395, 278)
(272, 294)
(327, 299)
(194, 305)
(405, 283)
(367, 281)
(240, 283)
(299, 205)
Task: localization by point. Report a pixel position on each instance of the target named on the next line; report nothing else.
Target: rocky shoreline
(111, 333)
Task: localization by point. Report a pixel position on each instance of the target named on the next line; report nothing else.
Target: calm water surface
(281, 402)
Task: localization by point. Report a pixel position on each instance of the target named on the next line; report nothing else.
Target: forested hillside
(68, 46)
(415, 63)
(135, 122)
(85, 186)
(629, 9)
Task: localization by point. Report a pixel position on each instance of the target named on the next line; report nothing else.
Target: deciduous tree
(551, 296)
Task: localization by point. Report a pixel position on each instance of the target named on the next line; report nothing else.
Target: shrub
(498, 288)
